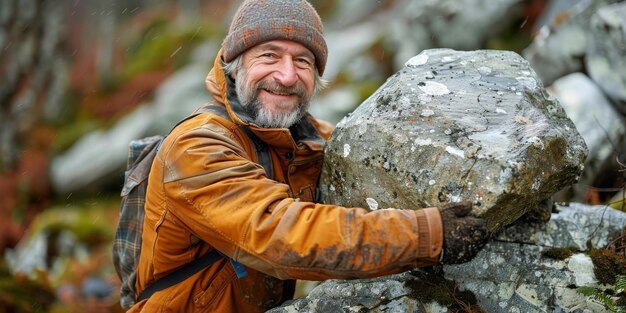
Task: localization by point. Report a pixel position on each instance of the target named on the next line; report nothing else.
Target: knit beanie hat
(258, 21)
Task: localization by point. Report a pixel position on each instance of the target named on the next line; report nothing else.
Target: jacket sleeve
(227, 201)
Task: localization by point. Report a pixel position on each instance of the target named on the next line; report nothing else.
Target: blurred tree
(33, 70)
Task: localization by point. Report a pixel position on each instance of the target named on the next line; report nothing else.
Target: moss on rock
(560, 253)
(607, 265)
(430, 286)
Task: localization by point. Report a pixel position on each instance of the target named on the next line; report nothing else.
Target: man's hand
(463, 235)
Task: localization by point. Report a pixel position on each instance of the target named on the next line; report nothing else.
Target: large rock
(602, 128)
(606, 52)
(454, 126)
(456, 24)
(528, 267)
(560, 49)
(524, 270)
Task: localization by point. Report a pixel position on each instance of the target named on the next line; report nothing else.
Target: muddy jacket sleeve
(211, 185)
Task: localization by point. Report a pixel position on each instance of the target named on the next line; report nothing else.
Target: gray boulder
(600, 125)
(454, 126)
(517, 271)
(456, 24)
(559, 49)
(606, 52)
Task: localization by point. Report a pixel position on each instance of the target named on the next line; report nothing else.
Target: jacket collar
(222, 89)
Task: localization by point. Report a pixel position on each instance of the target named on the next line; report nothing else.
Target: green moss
(607, 265)
(431, 286)
(559, 253)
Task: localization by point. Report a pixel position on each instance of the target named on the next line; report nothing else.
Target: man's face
(276, 82)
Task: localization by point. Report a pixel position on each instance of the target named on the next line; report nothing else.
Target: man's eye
(268, 56)
(303, 62)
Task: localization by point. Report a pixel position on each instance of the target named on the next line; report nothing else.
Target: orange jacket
(206, 191)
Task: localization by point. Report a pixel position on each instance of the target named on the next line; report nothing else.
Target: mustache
(278, 88)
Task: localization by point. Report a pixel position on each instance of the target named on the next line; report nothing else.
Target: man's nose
(286, 73)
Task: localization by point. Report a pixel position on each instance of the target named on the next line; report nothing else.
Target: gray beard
(248, 98)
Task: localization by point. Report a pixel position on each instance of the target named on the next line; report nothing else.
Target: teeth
(277, 92)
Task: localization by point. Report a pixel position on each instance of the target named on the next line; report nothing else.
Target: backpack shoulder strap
(262, 151)
(181, 274)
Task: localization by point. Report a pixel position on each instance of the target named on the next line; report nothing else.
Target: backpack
(127, 242)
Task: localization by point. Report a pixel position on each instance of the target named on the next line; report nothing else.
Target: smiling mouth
(278, 92)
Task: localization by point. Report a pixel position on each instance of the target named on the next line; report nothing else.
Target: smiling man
(276, 82)
(238, 184)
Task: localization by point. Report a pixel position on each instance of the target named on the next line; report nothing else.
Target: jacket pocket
(215, 290)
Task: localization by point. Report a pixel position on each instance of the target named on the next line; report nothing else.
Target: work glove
(463, 235)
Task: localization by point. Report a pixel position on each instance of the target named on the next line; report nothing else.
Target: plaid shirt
(127, 243)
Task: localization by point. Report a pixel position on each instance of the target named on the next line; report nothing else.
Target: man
(207, 190)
